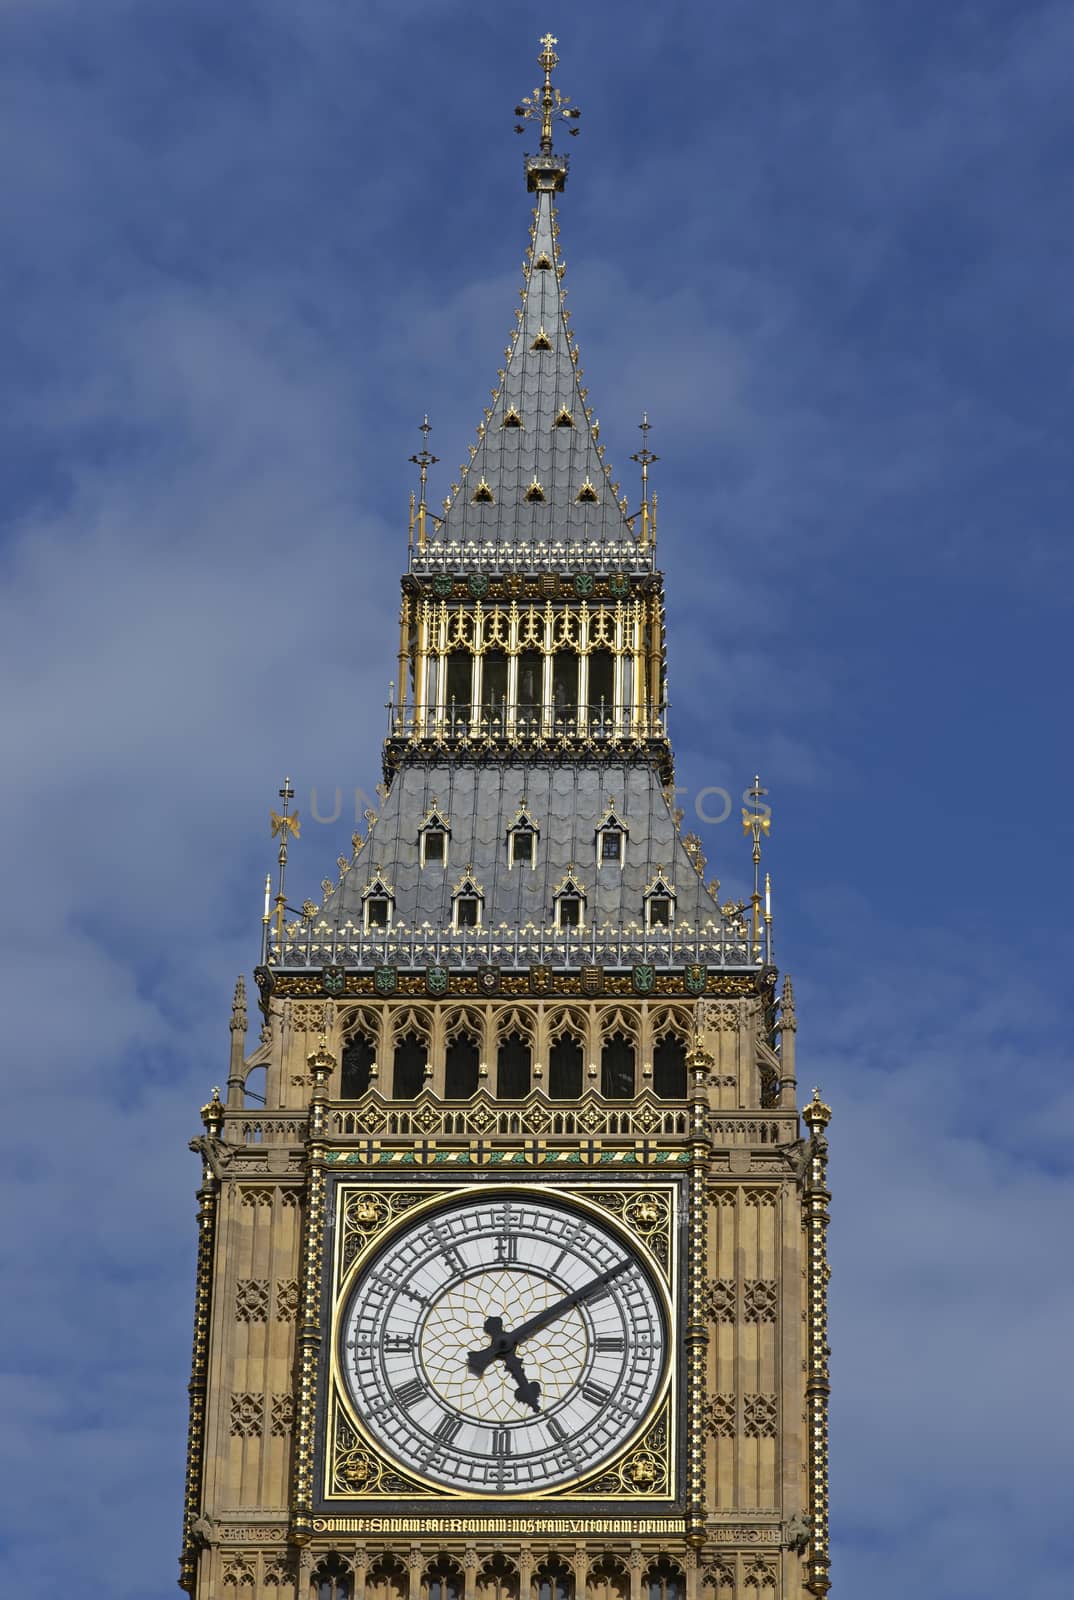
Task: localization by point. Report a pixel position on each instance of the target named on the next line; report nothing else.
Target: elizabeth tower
(515, 1288)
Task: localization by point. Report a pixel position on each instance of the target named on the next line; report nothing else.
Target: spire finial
(287, 826)
(645, 458)
(546, 171)
(757, 821)
(423, 461)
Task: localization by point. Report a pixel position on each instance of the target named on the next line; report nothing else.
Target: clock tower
(515, 1287)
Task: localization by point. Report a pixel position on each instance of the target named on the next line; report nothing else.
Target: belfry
(515, 1287)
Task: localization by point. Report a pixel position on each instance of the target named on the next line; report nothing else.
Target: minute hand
(478, 1360)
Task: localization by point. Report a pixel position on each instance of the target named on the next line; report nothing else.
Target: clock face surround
(504, 1343)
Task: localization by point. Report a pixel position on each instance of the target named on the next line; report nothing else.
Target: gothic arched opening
(356, 1067)
(601, 691)
(461, 1068)
(411, 1057)
(513, 1067)
(332, 1579)
(565, 1068)
(669, 1068)
(665, 1581)
(553, 1581)
(617, 1068)
(443, 1580)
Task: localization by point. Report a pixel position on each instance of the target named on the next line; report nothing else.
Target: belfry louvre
(515, 1287)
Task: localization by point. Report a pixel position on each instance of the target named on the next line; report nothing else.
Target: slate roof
(565, 802)
(541, 381)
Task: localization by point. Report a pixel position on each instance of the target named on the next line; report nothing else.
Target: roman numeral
(614, 1343)
(410, 1392)
(507, 1247)
(399, 1341)
(595, 1394)
(554, 1428)
(501, 1442)
(447, 1428)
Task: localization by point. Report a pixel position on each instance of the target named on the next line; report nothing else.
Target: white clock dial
(504, 1345)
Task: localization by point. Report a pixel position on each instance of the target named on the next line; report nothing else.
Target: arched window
(601, 691)
(608, 1580)
(461, 1068)
(443, 1581)
(554, 1581)
(617, 1068)
(410, 1059)
(494, 690)
(358, 1058)
(332, 1579)
(565, 689)
(497, 1580)
(387, 1579)
(459, 688)
(669, 1068)
(565, 1068)
(530, 690)
(513, 1067)
(665, 1581)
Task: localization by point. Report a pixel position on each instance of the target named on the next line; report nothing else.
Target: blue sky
(243, 249)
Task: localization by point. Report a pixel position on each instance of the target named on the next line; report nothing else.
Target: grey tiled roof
(538, 384)
(565, 802)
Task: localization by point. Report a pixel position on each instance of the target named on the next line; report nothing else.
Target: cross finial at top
(545, 103)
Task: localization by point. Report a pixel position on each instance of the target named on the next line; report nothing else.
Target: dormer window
(433, 835)
(660, 911)
(568, 899)
(564, 418)
(520, 848)
(659, 899)
(611, 839)
(611, 847)
(467, 911)
(569, 911)
(378, 904)
(511, 418)
(467, 903)
(377, 911)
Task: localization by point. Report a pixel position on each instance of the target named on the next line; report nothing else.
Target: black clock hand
(504, 1344)
(528, 1391)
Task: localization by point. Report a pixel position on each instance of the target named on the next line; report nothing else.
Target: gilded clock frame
(647, 1213)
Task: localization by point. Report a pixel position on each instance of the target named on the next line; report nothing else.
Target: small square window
(611, 845)
(570, 911)
(466, 911)
(659, 911)
(522, 849)
(376, 912)
(434, 848)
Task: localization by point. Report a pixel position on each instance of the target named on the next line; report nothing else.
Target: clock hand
(503, 1344)
(528, 1391)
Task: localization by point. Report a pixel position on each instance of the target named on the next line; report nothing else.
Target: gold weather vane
(545, 102)
(423, 461)
(645, 458)
(287, 825)
(758, 822)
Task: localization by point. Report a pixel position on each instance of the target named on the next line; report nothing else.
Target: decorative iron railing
(532, 555)
(319, 944)
(600, 721)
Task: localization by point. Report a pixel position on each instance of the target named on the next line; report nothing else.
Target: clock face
(504, 1345)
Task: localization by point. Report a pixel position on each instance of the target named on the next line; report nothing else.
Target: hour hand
(528, 1390)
